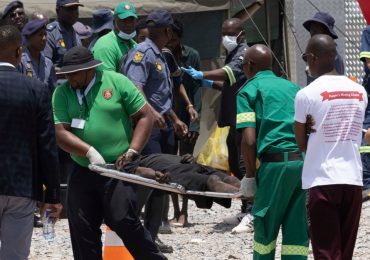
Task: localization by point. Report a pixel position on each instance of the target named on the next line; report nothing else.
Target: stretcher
(109, 170)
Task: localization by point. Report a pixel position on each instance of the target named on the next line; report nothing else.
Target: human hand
(195, 74)
(181, 129)
(207, 83)
(192, 113)
(187, 158)
(94, 156)
(192, 137)
(126, 158)
(56, 209)
(162, 177)
(310, 122)
(248, 187)
(159, 121)
(367, 136)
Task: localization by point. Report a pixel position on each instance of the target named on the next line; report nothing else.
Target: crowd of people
(127, 91)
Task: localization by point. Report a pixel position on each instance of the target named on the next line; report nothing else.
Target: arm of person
(301, 108)
(47, 153)
(152, 174)
(249, 149)
(143, 126)
(69, 142)
(189, 106)
(180, 127)
(300, 135)
(251, 10)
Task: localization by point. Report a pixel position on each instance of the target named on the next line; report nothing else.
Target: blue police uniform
(43, 70)
(59, 40)
(365, 148)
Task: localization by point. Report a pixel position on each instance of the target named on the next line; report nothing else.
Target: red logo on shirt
(108, 93)
(341, 95)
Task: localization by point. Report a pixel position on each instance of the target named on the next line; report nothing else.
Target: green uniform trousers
(280, 201)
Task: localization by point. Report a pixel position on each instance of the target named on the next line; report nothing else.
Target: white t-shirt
(337, 105)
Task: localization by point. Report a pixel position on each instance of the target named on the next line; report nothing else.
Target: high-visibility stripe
(365, 54)
(264, 249)
(294, 250)
(364, 149)
(230, 74)
(247, 117)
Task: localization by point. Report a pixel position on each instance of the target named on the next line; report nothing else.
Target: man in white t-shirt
(332, 170)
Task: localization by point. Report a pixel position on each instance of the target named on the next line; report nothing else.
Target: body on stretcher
(109, 170)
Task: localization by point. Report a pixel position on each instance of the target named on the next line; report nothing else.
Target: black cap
(160, 18)
(68, 3)
(323, 18)
(33, 26)
(76, 59)
(11, 7)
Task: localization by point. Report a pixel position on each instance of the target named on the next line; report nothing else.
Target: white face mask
(125, 36)
(230, 42)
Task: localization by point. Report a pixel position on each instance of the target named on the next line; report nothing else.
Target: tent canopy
(143, 7)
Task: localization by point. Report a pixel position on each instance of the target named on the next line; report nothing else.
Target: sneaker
(246, 225)
(234, 220)
(165, 228)
(163, 247)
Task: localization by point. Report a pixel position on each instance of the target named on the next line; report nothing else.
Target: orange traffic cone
(114, 248)
(353, 78)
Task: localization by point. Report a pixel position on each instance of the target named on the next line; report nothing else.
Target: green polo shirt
(110, 49)
(107, 109)
(266, 103)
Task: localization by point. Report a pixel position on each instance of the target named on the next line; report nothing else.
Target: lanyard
(81, 96)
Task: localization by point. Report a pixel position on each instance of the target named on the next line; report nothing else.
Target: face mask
(230, 42)
(125, 36)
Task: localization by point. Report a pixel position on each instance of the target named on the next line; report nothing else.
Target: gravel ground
(206, 238)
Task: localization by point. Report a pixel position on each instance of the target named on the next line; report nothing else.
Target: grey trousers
(16, 225)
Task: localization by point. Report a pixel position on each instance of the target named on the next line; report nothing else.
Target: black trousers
(92, 198)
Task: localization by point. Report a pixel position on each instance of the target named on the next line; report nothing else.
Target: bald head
(257, 58)
(234, 23)
(10, 42)
(321, 53)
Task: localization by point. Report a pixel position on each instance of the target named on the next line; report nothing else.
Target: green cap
(124, 10)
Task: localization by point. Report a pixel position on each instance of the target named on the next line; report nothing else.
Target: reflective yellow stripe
(365, 54)
(264, 249)
(294, 250)
(248, 117)
(230, 74)
(364, 149)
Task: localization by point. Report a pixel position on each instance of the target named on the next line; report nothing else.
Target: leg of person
(350, 218)
(16, 227)
(274, 190)
(85, 212)
(324, 221)
(295, 226)
(165, 226)
(120, 216)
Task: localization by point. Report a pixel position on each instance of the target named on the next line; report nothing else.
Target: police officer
(14, 14)
(33, 62)
(113, 46)
(228, 79)
(102, 23)
(146, 67)
(94, 113)
(265, 117)
(61, 35)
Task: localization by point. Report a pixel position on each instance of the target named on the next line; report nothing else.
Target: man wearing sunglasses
(14, 14)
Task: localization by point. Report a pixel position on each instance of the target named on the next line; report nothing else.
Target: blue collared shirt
(43, 70)
(146, 67)
(59, 41)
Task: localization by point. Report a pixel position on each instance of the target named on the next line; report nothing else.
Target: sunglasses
(305, 55)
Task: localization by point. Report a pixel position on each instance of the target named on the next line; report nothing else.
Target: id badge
(78, 123)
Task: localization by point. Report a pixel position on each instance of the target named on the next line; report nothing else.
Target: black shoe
(165, 228)
(37, 223)
(162, 247)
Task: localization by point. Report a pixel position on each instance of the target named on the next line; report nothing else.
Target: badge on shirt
(138, 56)
(62, 43)
(107, 93)
(127, 7)
(158, 65)
(78, 123)
(29, 73)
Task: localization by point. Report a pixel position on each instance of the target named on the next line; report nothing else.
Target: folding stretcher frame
(108, 170)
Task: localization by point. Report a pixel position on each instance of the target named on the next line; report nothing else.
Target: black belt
(281, 157)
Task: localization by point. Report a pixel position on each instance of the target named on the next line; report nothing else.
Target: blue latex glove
(195, 74)
(207, 83)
